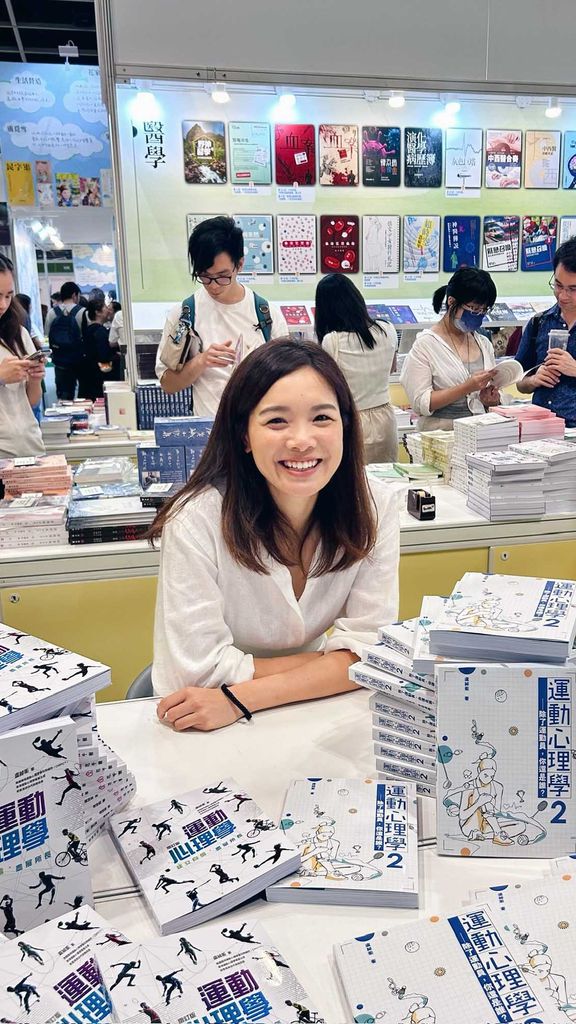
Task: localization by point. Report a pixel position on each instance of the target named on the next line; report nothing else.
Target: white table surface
(330, 737)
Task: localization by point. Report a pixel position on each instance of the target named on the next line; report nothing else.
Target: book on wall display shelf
(295, 154)
(296, 243)
(501, 243)
(463, 158)
(295, 314)
(38, 680)
(339, 244)
(258, 242)
(194, 219)
(42, 839)
(380, 244)
(422, 157)
(421, 244)
(338, 154)
(250, 153)
(567, 228)
(197, 855)
(50, 974)
(204, 152)
(358, 840)
(419, 973)
(380, 156)
(461, 243)
(569, 160)
(216, 974)
(505, 775)
(516, 618)
(542, 159)
(503, 158)
(538, 242)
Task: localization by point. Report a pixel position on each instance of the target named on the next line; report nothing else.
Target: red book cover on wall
(295, 154)
(339, 244)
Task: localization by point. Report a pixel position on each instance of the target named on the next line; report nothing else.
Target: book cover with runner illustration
(214, 974)
(200, 854)
(358, 840)
(49, 975)
(505, 780)
(43, 862)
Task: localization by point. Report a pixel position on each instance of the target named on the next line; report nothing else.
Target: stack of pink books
(42, 474)
(534, 421)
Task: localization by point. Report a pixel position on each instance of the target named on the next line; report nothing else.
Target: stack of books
(108, 520)
(55, 427)
(506, 484)
(403, 707)
(156, 495)
(151, 402)
(417, 471)
(119, 404)
(507, 618)
(438, 446)
(534, 421)
(179, 444)
(116, 470)
(486, 433)
(197, 855)
(106, 781)
(34, 520)
(41, 474)
(358, 841)
(559, 459)
(510, 954)
(90, 492)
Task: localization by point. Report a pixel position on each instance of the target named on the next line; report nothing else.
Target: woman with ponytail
(449, 370)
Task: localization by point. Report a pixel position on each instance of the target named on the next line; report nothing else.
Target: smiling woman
(276, 539)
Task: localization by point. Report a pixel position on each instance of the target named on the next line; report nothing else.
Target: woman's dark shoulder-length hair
(344, 513)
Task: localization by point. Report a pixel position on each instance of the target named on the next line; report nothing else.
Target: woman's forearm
(272, 666)
(445, 396)
(34, 391)
(321, 676)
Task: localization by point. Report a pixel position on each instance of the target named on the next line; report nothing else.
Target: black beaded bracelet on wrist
(234, 700)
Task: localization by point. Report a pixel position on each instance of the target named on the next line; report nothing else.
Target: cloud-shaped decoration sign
(26, 91)
(48, 137)
(84, 98)
(95, 278)
(104, 256)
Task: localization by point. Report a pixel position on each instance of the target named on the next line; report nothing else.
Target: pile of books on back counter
(152, 402)
(486, 433)
(54, 797)
(506, 484)
(534, 422)
(432, 448)
(105, 504)
(34, 520)
(41, 474)
(179, 443)
(559, 458)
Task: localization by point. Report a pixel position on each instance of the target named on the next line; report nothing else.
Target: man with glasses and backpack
(212, 330)
(65, 340)
(553, 380)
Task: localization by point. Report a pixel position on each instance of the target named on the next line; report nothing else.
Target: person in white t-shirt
(20, 377)
(225, 321)
(365, 350)
(279, 558)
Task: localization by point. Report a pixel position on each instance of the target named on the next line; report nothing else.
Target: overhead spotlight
(452, 107)
(553, 108)
(220, 94)
(144, 106)
(44, 232)
(58, 243)
(397, 100)
(68, 50)
(286, 100)
(36, 226)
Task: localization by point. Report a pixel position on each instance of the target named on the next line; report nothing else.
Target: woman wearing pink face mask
(449, 370)
(20, 376)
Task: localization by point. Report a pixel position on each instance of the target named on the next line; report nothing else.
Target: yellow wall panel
(108, 620)
(552, 559)
(435, 572)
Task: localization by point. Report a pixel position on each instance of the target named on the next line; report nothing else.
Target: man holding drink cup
(548, 345)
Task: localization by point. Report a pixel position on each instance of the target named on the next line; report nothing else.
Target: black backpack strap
(264, 316)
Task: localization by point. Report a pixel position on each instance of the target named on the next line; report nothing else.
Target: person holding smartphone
(21, 375)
